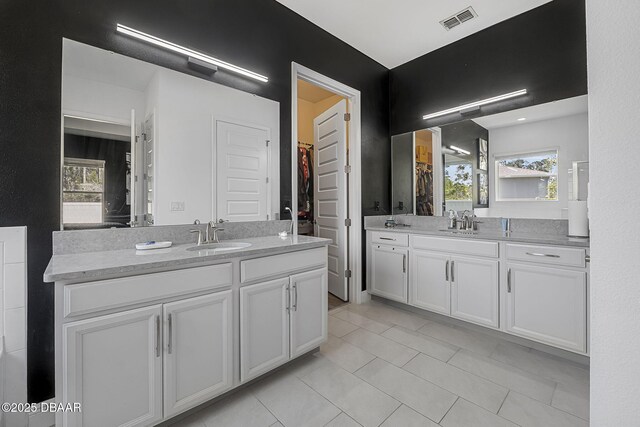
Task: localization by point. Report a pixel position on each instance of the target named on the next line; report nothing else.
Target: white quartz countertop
(539, 239)
(96, 265)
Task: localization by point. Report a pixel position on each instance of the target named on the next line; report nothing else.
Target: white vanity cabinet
(389, 265)
(533, 291)
(113, 361)
(138, 350)
(547, 303)
(281, 319)
(198, 357)
(465, 287)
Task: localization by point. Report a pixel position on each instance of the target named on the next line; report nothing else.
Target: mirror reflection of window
(96, 181)
(458, 183)
(83, 191)
(531, 176)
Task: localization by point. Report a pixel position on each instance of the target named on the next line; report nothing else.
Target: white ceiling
(395, 32)
(536, 113)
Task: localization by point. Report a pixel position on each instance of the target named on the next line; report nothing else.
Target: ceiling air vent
(460, 17)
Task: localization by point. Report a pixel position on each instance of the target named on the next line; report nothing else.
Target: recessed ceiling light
(522, 119)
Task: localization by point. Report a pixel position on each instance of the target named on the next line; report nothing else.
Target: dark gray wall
(260, 35)
(543, 50)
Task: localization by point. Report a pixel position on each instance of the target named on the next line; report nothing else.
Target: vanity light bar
(186, 51)
(459, 150)
(475, 104)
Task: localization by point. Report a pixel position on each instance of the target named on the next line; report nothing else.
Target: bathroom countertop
(96, 265)
(515, 237)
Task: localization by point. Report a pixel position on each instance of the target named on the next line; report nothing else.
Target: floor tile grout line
(553, 407)
(504, 400)
(502, 385)
(263, 405)
(332, 419)
(449, 410)
(409, 361)
(391, 414)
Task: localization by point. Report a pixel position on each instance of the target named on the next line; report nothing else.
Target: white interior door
(330, 191)
(242, 172)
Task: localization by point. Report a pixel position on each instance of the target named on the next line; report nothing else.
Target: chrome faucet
(287, 208)
(211, 234)
(468, 221)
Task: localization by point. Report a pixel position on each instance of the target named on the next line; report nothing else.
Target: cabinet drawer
(395, 239)
(570, 257)
(457, 246)
(284, 264)
(101, 295)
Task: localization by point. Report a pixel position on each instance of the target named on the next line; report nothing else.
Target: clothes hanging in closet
(305, 180)
(424, 189)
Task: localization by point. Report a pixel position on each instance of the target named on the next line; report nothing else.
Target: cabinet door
(308, 311)
(474, 290)
(264, 327)
(198, 341)
(548, 305)
(389, 272)
(112, 365)
(430, 281)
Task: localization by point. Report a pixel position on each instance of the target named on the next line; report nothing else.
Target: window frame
(95, 163)
(506, 155)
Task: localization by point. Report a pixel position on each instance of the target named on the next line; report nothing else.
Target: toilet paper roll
(578, 218)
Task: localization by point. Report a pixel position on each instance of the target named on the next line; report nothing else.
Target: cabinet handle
(446, 271)
(453, 263)
(509, 280)
(387, 238)
(157, 336)
(288, 298)
(543, 255)
(170, 343)
(295, 297)
(404, 263)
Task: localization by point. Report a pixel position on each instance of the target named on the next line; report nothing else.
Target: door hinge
(347, 222)
(267, 141)
(267, 180)
(347, 274)
(267, 217)
(347, 117)
(347, 169)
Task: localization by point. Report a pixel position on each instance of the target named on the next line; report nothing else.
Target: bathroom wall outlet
(177, 206)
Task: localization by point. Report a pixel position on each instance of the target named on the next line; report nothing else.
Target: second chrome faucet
(211, 233)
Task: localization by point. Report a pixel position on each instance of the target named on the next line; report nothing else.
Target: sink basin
(220, 247)
(459, 231)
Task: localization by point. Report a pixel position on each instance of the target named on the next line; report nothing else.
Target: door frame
(354, 250)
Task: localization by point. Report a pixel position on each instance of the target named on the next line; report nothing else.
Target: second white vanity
(142, 337)
(528, 286)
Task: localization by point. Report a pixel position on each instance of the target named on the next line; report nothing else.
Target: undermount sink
(459, 231)
(220, 247)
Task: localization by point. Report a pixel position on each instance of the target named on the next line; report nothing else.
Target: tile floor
(383, 366)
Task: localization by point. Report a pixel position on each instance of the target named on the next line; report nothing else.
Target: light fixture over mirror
(474, 105)
(190, 53)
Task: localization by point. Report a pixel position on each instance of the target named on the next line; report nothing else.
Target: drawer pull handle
(170, 343)
(404, 263)
(387, 238)
(446, 271)
(543, 255)
(509, 280)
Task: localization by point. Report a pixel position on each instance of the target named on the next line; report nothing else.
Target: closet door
(330, 191)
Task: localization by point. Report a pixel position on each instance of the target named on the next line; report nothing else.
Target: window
(83, 185)
(458, 181)
(527, 177)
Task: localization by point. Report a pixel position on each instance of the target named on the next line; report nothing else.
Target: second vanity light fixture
(188, 52)
(474, 105)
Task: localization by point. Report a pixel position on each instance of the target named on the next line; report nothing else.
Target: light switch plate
(177, 206)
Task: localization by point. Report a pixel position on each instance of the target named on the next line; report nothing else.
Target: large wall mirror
(523, 163)
(145, 145)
